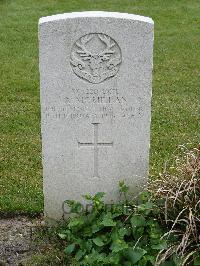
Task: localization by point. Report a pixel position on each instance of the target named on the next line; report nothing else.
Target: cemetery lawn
(176, 94)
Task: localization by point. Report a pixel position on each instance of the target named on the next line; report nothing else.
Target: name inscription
(90, 104)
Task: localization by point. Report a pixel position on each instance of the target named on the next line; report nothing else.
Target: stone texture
(95, 73)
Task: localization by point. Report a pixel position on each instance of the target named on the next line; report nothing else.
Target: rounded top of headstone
(97, 14)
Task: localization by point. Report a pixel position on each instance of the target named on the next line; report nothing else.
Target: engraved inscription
(96, 146)
(104, 112)
(98, 96)
(95, 57)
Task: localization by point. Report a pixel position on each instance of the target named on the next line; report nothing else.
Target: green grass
(176, 96)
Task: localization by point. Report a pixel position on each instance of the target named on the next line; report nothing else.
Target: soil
(17, 239)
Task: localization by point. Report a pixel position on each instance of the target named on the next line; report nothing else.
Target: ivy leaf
(84, 244)
(118, 245)
(122, 187)
(87, 197)
(122, 232)
(138, 221)
(99, 195)
(88, 245)
(107, 220)
(113, 258)
(137, 232)
(79, 255)
(144, 196)
(75, 206)
(94, 258)
(135, 254)
(159, 246)
(98, 241)
(151, 259)
(146, 208)
(69, 249)
(95, 228)
(62, 236)
(75, 222)
(87, 231)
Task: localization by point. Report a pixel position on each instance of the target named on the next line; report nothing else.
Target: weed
(179, 188)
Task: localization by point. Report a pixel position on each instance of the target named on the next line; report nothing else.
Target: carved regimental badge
(95, 57)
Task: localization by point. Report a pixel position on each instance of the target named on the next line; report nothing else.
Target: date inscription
(94, 104)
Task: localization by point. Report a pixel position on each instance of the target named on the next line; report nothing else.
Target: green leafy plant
(120, 234)
(161, 228)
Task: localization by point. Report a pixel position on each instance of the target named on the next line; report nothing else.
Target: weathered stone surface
(95, 72)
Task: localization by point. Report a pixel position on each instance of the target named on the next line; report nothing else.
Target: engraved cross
(96, 145)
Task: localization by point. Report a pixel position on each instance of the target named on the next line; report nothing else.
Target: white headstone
(96, 73)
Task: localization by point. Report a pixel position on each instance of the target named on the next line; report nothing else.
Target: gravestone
(95, 73)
